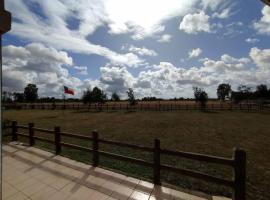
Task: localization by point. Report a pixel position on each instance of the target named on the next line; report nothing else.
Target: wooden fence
(237, 162)
(141, 106)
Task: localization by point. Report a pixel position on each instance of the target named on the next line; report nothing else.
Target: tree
(200, 96)
(244, 93)
(31, 92)
(18, 97)
(98, 96)
(261, 91)
(115, 97)
(87, 98)
(6, 97)
(224, 90)
(131, 97)
(94, 96)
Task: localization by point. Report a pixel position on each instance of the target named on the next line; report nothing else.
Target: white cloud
(142, 51)
(137, 19)
(82, 70)
(261, 57)
(211, 4)
(165, 38)
(223, 14)
(116, 78)
(194, 53)
(263, 25)
(227, 64)
(233, 29)
(35, 63)
(167, 80)
(195, 23)
(22, 65)
(252, 40)
(90, 16)
(231, 60)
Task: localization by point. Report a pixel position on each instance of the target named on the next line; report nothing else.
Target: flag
(68, 90)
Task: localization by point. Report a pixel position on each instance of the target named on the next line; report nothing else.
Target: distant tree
(261, 91)
(87, 96)
(18, 97)
(47, 99)
(200, 96)
(243, 93)
(224, 90)
(98, 96)
(94, 96)
(244, 89)
(150, 99)
(31, 92)
(131, 97)
(6, 97)
(115, 97)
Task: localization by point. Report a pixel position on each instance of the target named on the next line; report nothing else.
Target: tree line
(224, 92)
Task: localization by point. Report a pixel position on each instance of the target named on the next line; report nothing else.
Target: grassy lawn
(215, 133)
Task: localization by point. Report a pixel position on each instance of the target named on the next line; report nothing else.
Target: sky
(158, 48)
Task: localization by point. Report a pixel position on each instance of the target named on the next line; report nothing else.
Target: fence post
(57, 139)
(239, 175)
(157, 162)
(31, 134)
(14, 131)
(95, 149)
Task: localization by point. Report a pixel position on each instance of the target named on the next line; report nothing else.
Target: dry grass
(211, 133)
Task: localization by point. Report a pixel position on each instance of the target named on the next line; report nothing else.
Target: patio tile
(78, 191)
(145, 187)
(137, 195)
(98, 196)
(160, 192)
(61, 196)
(122, 192)
(93, 181)
(17, 196)
(8, 191)
(44, 194)
(220, 198)
(32, 189)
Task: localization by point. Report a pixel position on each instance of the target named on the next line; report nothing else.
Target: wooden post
(157, 162)
(31, 134)
(239, 175)
(14, 131)
(57, 139)
(95, 149)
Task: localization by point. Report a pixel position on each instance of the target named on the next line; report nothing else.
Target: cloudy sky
(159, 48)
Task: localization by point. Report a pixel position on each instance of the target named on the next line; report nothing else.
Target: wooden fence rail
(237, 162)
(141, 106)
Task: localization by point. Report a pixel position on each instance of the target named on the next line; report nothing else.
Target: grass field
(215, 133)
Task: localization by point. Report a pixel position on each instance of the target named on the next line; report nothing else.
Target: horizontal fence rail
(153, 106)
(237, 162)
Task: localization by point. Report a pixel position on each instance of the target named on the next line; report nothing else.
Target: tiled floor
(31, 173)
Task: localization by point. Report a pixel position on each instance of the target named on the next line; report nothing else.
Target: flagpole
(64, 99)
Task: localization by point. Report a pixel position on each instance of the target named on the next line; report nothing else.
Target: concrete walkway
(31, 173)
